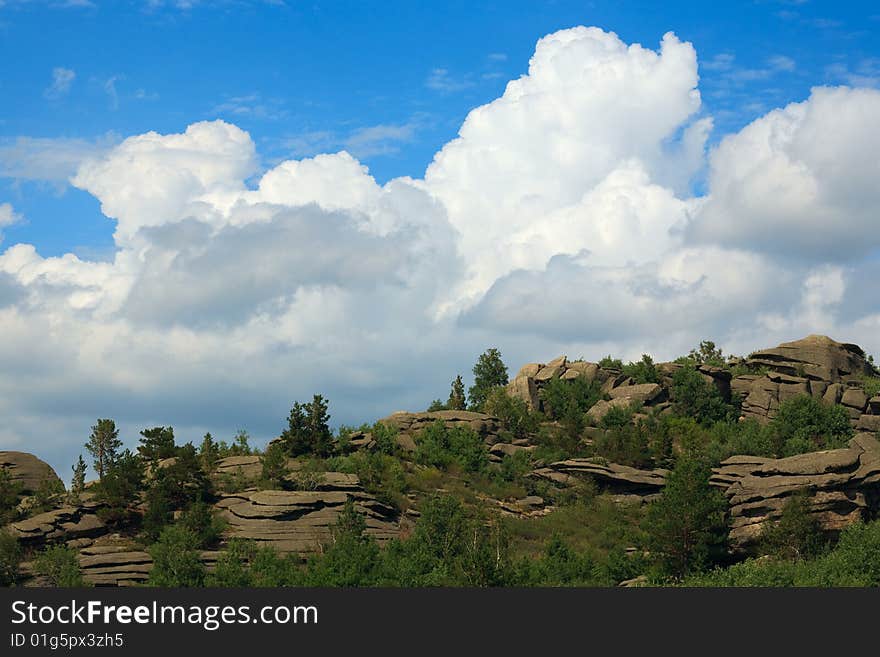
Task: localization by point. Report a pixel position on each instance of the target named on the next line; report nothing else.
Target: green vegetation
(871, 385)
(10, 557)
(854, 561)
(804, 424)
(489, 372)
(693, 396)
(610, 363)
(456, 400)
(308, 430)
(157, 444)
(513, 413)
(443, 446)
(643, 371)
(176, 559)
(706, 353)
(60, 565)
(103, 445)
(686, 526)
(9, 494)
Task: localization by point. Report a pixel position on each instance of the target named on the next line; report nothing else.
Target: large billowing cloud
(561, 220)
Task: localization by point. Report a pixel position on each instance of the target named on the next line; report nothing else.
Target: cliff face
(841, 486)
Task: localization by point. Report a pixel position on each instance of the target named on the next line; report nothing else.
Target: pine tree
(104, 445)
(456, 396)
(78, 482)
(489, 372)
(157, 444)
(209, 452)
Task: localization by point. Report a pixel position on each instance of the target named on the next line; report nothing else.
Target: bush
(350, 559)
(441, 446)
(804, 424)
(10, 557)
(120, 488)
(643, 371)
(9, 495)
(706, 353)
(871, 385)
(61, 565)
(687, 525)
(627, 445)
(176, 560)
(274, 462)
(512, 412)
(610, 363)
(693, 396)
(796, 535)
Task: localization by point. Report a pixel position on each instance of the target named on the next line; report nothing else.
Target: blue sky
(189, 235)
(389, 81)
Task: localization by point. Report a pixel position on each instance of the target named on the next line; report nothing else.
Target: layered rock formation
(842, 486)
(610, 477)
(486, 426)
(301, 521)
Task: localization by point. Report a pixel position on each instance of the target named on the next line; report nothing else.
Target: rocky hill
(516, 476)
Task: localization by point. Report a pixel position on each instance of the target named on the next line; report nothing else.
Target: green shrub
(274, 464)
(10, 492)
(643, 371)
(120, 488)
(804, 424)
(441, 446)
(610, 363)
(176, 559)
(706, 353)
(693, 396)
(871, 385)
(61, 565)
(10, 557)
(512, 412)
(687, 525)
(199, 520)
(796, 535)
(627, 445)
(350, 559)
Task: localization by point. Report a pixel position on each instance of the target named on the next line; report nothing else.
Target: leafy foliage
(489, 372)
(308, 431)
(805, 424)
(157, 444)
(176, 559)
(609, 363)
(274, 463)
(10, 491)
(512, 412)
(441, 446)
(10, 557)
(693, 396)
(643, 371)
(103, 445)
(120, 487)
(61, 565)
(796, 535)
(457, 401)
(706, 353)
(687, 526)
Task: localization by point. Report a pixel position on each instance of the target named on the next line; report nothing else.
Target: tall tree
(209, 452)
(157, 444)
(104, 445)
(308, 431)
(78, 481)
(489, 372)
(456, 396)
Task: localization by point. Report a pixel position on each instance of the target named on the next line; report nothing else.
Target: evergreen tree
(687, 525)
(78, 482)
(274, 461)
(209, 453)
(103, 445)
(489, 372)
(157, 444)
(456, 396)
(308, 431)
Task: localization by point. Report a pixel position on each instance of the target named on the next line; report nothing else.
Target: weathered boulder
(612, 477)
(301, 521)
(841, 485)
(486, 426)
(58, 525)
(28, 471)
(525, 388)
(643, 393)
(816, 357)
(601, 408)
(117, 564)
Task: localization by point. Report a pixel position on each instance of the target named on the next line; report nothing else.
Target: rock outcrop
(842, 485)
(28, 471)
(59, 525)
(817, 366)
(301, 521)
(486, 426)
(611, 477)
